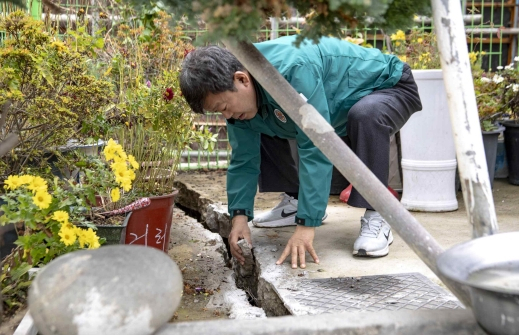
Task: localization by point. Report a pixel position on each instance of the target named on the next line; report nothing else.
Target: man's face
(240, 104)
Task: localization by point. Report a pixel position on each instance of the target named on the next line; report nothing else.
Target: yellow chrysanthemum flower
(403, 58)
(12, 182)
(419, 40)
(26, 179)
(121, 174)
(60, 216)
(42, 199)
(94, 243)
(121, 156)
(81, 237)
(126, 184)
(111, 149)
(58, 45)
(473, 57)
(109, 153)
(68, 225)
(115, 195)
(68, 236)
(111, 143)
(38, 184)
(118, 166)
(132, 175)
(91, 239)
(399, 36)
(133, 162)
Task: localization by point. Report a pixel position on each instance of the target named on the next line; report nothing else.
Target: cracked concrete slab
(202, 257)
(334, 239)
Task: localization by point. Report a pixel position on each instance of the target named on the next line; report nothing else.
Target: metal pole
(274, 27)
(324, 137)
(457, 75)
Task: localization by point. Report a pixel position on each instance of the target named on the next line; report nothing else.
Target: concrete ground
(334, 239)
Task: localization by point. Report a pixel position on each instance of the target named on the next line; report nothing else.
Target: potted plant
(157, 139)
(427, 144)
(486, 88)
(156, 124)
(46, 93)
(106, 181)
(506, 96)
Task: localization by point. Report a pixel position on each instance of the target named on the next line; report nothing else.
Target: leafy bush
(45, 92)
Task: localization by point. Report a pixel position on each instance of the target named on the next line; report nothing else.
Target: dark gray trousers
(371, 122)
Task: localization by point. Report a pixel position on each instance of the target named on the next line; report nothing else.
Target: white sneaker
(280, 216)
(374, 238)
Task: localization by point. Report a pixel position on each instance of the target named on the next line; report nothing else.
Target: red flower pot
(150, 226)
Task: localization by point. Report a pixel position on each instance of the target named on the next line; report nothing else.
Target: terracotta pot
(150, 226)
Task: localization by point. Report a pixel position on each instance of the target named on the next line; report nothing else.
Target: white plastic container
(428, 152)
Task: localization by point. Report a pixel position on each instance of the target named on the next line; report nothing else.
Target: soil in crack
(202, 269)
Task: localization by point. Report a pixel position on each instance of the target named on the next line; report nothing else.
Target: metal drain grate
(373, 293)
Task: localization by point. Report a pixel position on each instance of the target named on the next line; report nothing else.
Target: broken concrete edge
(424, 322)
(235, 301)
(275, 285)
(215, 218)
(261, 286)
(230, 297)
(210, 213)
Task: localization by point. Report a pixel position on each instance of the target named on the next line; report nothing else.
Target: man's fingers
(235, 249)
(233, 242)
(294, 257)
(312, 253)
(284, 255)
(301, 251)
(237, 253)
(248, 239)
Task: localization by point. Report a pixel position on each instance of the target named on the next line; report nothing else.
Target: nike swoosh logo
(283, 214)
(387, 236)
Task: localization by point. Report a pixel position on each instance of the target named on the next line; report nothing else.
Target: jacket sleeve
(243, 171)
(315, 170)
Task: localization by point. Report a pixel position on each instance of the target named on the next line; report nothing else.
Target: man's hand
(240, 229)
(301, 241)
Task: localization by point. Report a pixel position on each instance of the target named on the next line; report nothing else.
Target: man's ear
(242, 77)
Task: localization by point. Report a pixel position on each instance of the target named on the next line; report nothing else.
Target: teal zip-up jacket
(333, 75)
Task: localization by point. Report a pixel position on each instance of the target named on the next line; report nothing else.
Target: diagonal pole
(457, 75)
(324, 137)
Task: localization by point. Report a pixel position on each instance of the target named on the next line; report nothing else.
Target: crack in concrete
(215, 218)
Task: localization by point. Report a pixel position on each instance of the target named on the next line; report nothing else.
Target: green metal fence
(492, 28)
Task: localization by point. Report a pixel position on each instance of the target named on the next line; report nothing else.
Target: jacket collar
(261, 98)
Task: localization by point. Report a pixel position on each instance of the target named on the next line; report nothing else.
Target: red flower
(168, 95)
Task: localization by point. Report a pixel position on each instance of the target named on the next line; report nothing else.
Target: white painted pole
(457, 75)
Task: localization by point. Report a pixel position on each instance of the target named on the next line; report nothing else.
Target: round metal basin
(488, 268)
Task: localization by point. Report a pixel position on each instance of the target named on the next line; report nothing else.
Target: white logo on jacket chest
(280, 115)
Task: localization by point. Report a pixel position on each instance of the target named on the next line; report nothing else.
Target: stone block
(117, 290)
